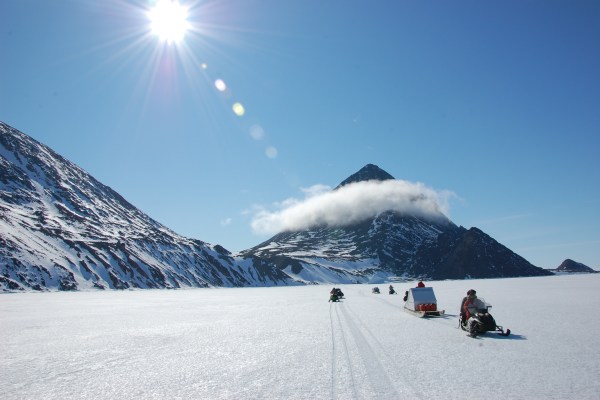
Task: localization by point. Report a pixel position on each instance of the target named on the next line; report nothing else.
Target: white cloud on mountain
(350, 204)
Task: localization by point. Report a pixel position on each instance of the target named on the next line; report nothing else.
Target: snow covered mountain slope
(392, 244)
(62, 229)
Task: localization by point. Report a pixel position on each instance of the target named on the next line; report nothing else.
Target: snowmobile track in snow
(366, 373)
(337, 330)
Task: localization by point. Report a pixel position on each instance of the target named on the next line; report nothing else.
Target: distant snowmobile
(480, 320)
(336, 294)
(375, 290)
(392, 291)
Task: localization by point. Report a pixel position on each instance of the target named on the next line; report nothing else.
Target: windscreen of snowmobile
(479, 305)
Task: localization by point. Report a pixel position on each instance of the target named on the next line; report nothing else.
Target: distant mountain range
(61, 229)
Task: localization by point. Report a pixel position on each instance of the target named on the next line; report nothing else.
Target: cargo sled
(422, 303)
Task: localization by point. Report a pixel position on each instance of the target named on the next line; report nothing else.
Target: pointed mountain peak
(573, 266)
(367, 173)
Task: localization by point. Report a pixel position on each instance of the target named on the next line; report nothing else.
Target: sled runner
(422, 303)
(481, 321)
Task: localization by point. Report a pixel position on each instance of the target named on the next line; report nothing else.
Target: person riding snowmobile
(392, 291)
(333, 295)
(475, 318)
(470, 304)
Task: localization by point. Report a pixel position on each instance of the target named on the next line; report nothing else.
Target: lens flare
(257, 132)
(271, 152)
(238, 109)
(220, 85)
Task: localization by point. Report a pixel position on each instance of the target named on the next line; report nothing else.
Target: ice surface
(291, 343)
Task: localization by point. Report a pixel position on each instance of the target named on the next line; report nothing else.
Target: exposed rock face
(367, 173)
(473, 254)
(573, 266)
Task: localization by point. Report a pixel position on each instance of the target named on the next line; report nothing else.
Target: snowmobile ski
(502, 332)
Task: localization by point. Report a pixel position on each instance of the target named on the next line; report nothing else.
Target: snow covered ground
(291, 343)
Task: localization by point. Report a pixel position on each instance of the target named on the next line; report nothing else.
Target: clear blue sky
(497, 102)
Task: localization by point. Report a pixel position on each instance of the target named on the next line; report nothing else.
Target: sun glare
(169, 20)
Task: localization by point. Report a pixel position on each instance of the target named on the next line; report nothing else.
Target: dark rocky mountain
(391, 245)
(61, 229)
(471, 253)
(366, 173)
(573, 266)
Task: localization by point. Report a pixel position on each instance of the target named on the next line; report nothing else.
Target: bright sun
(169, 20)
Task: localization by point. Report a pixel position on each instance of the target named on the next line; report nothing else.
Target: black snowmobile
(336, 294)
(481, 321)
(392, 291)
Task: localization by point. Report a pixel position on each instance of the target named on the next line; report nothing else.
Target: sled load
(475, 317)
(336, 294)
(422, 303)
(375, 290)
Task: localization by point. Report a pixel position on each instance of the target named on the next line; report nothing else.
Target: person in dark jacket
(333, 296)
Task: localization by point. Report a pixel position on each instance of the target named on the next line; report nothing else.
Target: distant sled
(422, 303)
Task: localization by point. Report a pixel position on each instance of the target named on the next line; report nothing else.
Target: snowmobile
(336, 294)
(375, 290)
(481, 321)
(422, 303)
(392, 291)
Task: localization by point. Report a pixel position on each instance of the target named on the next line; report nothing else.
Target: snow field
(291, 343)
